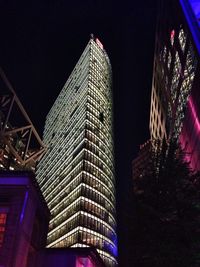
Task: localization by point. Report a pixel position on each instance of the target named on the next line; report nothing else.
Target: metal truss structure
(20, 145)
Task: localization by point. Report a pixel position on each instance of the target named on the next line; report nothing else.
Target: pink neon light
(190, 136)
(194, 114)
(84, 262)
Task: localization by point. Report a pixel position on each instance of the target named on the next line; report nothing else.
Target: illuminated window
(175, 77)
(169, 60)
(182, 39)
(3, 217)
(164, 53)
(188, 76)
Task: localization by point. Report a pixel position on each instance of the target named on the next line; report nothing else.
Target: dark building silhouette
(143, 163)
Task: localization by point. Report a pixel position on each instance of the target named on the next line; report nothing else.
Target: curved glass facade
(76, 174)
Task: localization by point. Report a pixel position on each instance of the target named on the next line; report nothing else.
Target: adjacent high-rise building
(175, 64)
(76, 175)
(175, 94)
(175, 86)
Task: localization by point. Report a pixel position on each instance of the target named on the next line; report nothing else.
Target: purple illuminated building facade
(190, 134)
(24, 218)
(70, 257)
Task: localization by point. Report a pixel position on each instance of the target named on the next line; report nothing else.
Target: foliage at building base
(166, 226)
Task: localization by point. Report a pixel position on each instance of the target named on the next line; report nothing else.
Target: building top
(100, 45)
(97, 41)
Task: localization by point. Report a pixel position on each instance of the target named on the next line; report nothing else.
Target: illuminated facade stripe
(82, 213)
(85, 230)
(80, 198)
(76, 174)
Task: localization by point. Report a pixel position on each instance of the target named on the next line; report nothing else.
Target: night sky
(41, 41)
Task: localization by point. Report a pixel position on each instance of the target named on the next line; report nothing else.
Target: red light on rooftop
(99, 43)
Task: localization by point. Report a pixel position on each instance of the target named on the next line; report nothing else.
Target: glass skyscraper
(76, 174)
(175, 101)
(175, 68)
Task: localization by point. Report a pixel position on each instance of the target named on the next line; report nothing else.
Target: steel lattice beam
(20, 145)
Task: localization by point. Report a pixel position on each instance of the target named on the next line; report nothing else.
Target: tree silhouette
(166, 226)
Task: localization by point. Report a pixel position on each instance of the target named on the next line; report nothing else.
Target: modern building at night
(175, 86)
(175, 66)
(24, 218)
(175, 95)
(76, 175)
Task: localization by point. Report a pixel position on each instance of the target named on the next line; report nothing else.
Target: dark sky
(42, 40)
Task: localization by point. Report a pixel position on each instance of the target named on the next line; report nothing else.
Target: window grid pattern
(77, 173)
(174, 72)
